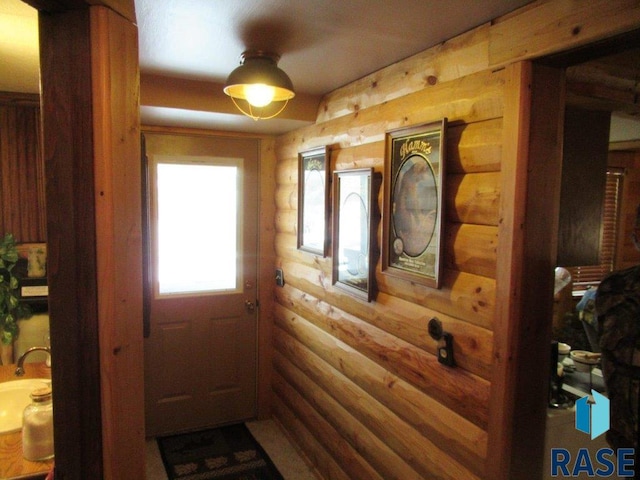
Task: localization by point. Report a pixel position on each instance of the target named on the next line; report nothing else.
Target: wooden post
(534, 100)
(91, 149)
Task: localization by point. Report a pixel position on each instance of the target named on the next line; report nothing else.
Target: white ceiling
(324, 44)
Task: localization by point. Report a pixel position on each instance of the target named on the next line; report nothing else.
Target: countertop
(12, 463)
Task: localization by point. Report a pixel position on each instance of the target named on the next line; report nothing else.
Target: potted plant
(11, 309)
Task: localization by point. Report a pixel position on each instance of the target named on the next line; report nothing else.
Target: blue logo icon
(593, 418)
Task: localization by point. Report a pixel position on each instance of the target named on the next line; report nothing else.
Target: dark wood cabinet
(584, 167)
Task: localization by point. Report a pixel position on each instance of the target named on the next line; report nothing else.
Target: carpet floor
(226, 453)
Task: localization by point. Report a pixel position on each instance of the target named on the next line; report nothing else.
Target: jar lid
(41, 394)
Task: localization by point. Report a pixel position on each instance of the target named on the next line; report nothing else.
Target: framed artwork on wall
(313, 200)
(413, 203)
(354, 227)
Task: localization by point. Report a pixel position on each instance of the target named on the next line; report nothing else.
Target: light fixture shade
(257, 83)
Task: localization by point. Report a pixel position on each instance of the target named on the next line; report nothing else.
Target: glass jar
(37, 426)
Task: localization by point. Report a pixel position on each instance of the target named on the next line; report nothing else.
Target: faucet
(20, 367)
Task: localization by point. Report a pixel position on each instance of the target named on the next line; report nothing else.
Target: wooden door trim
(530, 186)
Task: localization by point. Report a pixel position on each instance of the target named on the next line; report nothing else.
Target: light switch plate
(279, 277)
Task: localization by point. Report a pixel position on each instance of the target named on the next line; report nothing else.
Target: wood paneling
(627, 255)
(71, 249)
(501, 201)
(22, 194)
(118, 219)
(372, 367)
(92, 156)
(585, 148)
(548, 25)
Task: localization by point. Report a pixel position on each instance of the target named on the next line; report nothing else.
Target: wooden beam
(170, 92)
(126, 8)
(547, 27)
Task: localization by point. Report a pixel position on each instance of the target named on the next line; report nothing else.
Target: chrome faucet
(20, 367)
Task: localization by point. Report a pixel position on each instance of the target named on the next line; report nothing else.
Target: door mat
(226, 453)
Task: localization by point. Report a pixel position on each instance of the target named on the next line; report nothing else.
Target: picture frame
(414, 203)
(354, 246)
(314, 187)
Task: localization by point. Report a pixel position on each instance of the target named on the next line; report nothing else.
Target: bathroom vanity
(12, 464)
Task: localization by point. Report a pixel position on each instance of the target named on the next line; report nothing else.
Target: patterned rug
(226, 453)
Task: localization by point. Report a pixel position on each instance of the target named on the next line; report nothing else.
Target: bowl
(563, 351)
(584, 360)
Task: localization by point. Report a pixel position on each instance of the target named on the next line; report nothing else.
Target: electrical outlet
(279, 277)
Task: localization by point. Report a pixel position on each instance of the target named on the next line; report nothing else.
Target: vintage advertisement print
(414, 171)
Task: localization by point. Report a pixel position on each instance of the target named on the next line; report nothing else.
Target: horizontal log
(460, 56)
(549, 27)
(471, 148)
(287, 197)
(416, 450)
(360, 156)
(286, 170)
(469, 99)
(467, 248)
(312, 449)
(460, 390)
(408, 322)
(474, 147)
(289, 384)
(451, 434)
(472, 198)
(462, 295)
(471, 248)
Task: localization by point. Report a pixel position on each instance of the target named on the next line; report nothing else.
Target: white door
(200, 297)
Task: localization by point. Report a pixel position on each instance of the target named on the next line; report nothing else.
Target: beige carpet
(271, 438)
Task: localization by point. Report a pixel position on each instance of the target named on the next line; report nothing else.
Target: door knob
(250, 306)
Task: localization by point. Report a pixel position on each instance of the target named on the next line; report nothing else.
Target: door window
(198, 234)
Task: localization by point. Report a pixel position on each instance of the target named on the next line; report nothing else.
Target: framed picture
(313, 201)
(413, 203)
(354, 252)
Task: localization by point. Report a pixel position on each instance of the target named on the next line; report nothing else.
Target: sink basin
(14, 397)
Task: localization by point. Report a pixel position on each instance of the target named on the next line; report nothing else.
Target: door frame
(266, 252)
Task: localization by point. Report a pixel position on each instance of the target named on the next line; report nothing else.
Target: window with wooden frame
(591, 275)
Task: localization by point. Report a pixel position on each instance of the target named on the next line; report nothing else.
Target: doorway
(599, 78)
(201, 295)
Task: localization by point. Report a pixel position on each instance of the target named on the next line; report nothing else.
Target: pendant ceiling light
(258, 88)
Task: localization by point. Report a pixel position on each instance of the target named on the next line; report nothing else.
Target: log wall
(358, 384)
(363, 378)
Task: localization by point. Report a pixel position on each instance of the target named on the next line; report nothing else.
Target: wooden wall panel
(22, 194)
(118, 220)
(627, 254)
(372, 366)
(467, 442)
(326, 341)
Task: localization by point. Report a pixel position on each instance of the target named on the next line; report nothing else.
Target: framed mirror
(313, 201)
(354, 231)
